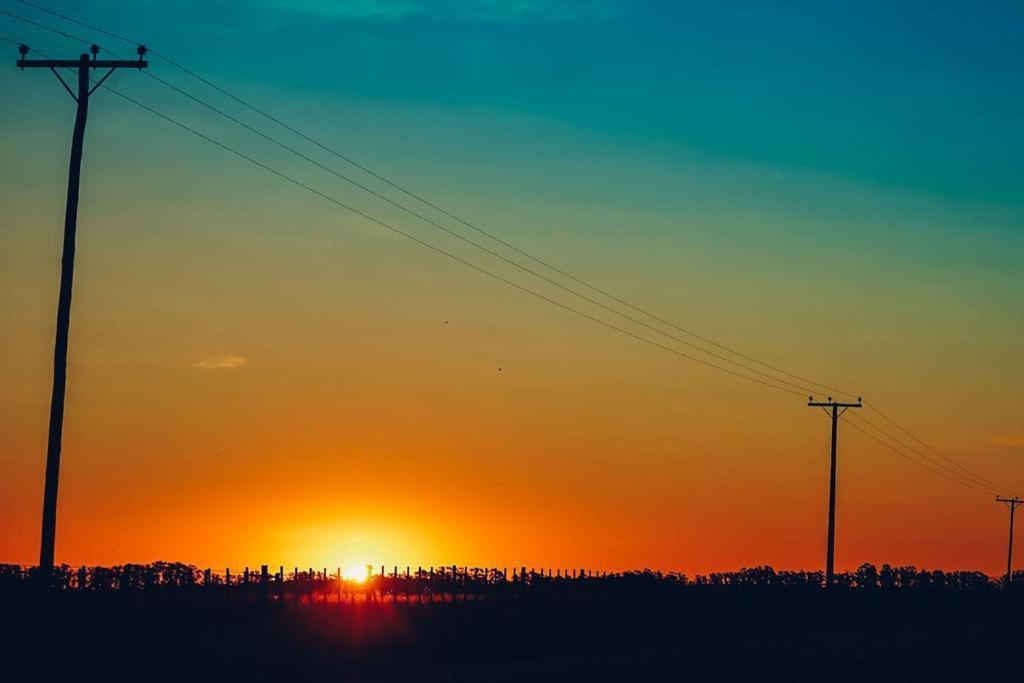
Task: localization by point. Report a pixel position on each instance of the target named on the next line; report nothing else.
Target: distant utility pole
(836, 414)
(1011, 503)
(84, 64)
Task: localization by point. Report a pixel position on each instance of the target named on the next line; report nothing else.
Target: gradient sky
(257, 376)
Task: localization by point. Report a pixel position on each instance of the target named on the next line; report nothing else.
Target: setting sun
(356, 573)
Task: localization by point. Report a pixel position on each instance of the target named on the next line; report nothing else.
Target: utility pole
(83, 65)
(832, 408)
(1011, 503)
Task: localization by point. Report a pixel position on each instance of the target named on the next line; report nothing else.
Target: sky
(259, 376)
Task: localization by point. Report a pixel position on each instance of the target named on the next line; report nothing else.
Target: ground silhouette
(166, 621)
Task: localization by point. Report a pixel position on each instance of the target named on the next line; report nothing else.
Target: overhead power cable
(971, 477)
(916, 462)
(432, 247)
(39, 25)
(476, 245)
(439, 250)
(473, 226)
(981, 479)
(454, 234)
(967, 474)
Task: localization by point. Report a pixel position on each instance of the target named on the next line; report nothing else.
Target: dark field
(729, 633)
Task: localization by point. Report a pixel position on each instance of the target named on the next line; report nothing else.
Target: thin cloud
(1009, 441)
(222, 361)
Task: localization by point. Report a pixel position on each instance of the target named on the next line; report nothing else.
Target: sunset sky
(259, 376)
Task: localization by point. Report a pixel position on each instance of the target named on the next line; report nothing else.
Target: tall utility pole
(83, 65)
(1011, 503)
(836, 414)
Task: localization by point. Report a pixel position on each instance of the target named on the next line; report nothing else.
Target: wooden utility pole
(83, 65)
(1011, 503)
(832, 407)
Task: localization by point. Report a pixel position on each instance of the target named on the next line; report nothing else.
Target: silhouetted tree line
(121, 577)
(453, 583)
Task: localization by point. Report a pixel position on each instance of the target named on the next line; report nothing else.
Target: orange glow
(356, 573)
(256, 378)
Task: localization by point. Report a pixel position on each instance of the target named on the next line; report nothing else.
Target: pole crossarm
(75, 63)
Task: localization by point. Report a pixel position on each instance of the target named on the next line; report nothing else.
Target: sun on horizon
(356, 573)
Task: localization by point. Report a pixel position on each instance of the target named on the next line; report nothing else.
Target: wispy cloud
(1009, 440)
(222, 361)
(489, 11)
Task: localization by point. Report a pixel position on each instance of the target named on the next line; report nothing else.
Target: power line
(433, 247)
(466, 240)
(992, 487)
(944, 457)
(450, 232)
(952, 474)
(76, 21)
(959, 479)
(437, 249)
(520, 251)
(446, 212)
(976, 477)
(916, 462)
(910, 449)
(42, 26)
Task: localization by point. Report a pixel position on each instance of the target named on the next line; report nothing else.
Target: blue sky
(919, 94)
(925, 95)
